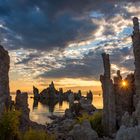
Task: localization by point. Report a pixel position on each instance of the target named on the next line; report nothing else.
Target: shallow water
(40, 112)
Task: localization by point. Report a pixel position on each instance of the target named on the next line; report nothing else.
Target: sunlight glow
(124, 84)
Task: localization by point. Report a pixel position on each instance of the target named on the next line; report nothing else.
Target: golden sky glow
(65, 83)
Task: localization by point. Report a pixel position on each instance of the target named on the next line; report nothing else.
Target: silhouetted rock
(117, 98)
(69, 114)
(78, 95)
(52, 90)
(123, 95)
(109, 110)
(90, 96)
(86, 105)
(36, 93)
(21, 104)
(71, 99)
(76, 109)
(43, 94)
(133, 118)
(35, 103)
(4, 79)
(49, 93)
(60, 94)
(136, 50)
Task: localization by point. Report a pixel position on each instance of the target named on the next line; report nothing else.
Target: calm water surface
(40, 112)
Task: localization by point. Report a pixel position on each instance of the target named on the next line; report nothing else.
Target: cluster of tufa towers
(118, 99)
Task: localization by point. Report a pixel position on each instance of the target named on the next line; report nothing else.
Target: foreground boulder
(83, 132)
(131, 133)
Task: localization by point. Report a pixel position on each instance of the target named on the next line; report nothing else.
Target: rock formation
(49, 93)
(21, 104)
(131, 133)
(78, 95)
(36, 93)
(86, 105)
(35, 104)
(4, 79)
(117, 98)
(134, 80)
(136, 50)
(136, 113)
(52, 90)
(90, 96)
(60, 94)
(109, 112)
(123, 96)
(83, 132)
(127, 96)
(71, 100)
(128, 120)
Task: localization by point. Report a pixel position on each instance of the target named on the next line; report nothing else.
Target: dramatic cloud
(65, 38)
(52, 24)
(38, 25)
(90, 66)
(77, 68)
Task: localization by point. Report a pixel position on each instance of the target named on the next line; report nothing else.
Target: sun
(124, 83)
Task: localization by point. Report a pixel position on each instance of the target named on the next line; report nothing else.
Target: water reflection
(39, 112)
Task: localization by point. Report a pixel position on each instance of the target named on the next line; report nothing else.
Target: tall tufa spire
(136, 50)
(136, 25)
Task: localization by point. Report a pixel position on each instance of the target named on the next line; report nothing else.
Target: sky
(62, 41)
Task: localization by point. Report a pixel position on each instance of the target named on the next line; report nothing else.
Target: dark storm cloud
(39, 25)
(53, 24)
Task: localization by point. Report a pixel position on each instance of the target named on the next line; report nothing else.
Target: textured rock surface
(4, 79)
(69, 113)
(117, 98)
(71, 99)
(87, 105)
(131, 133)
(136, 114)
(123, 96)
(21, 104)
(90, 96)
(129, 98)
(49, 93)
(109, 112)
(83, 132)
(136, 49)
(128, 120)
(78, 95)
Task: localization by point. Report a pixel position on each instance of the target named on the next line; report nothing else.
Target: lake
(40, 112)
